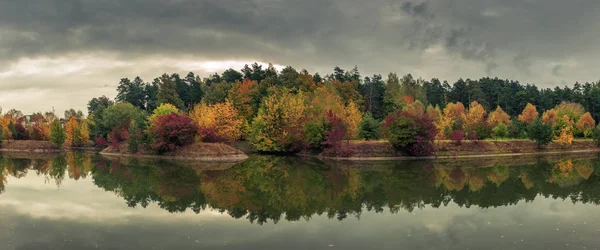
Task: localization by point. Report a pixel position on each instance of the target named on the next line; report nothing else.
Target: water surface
(84, 201)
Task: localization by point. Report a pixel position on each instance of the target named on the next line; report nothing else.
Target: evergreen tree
(167, 92)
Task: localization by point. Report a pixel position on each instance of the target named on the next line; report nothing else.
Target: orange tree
(528, 115)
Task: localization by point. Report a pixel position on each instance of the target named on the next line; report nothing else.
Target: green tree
(368, 128)
(57, 134)
(500, 131)
(167, 92)
(12, 129)
(540, 132)
(132, 92)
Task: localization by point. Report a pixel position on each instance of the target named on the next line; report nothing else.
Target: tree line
(291, 111)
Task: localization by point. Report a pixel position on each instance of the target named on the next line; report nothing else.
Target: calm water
(83, 201)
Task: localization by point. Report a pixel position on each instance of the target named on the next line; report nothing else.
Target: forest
(291, 111)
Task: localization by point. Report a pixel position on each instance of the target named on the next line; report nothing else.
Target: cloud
(509, 39)
(556, 71)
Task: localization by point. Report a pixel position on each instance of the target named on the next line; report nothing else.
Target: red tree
(172, 131)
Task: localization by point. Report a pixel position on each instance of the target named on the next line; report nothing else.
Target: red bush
(209, 134)
(22, 133)
(336, 135)
(101, 142)
(118, 135)
(172, 131)
(457, 137)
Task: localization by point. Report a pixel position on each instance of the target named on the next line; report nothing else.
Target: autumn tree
(585, 124)
(218, 122)
(171, 132)
(550, 117)
(451, 119)
(497, 117)
(245, 97)
(474, 119)
(528, 115)
(164, 109)
(570, 109)
(278, 126)
(71, 127)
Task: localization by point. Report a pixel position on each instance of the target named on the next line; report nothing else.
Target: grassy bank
(382, 149)
(197, 151)
(29, 146)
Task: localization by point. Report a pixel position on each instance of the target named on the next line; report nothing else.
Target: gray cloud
(447, 39)
(556, 71)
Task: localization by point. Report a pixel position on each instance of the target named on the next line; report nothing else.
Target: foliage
(517, 129)
(434, 113)
(116, 116)
(216, 123)
(244, 96)
(500, 131)
(57, 134)
(135, 137)
(167, 92)
(71, 128)
(585, 124)
(457, 137)
(540, 132)
(335, 136)
(118, 135)
(596, 135)
(550, 117)
(452, 119)
(326, 98)
(12, 128)
(570, 109)
(409, 132)
(101, 142)
(565, 138)
(21, 132)
(369, 127)
(164, 109)
(315, 132)
(171, 132)
(498, 117)
(528, 115)
(279, 125)
(40, 131)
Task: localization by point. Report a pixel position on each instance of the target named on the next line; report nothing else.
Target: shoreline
(450, 157)
(224, 158)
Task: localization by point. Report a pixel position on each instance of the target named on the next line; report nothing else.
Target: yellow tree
(84, 131)
(498, 117)
(433, 113)
(219, 122)
(474, 117)
(352, 117)
(71, 128)
(450, 120)
(570, 109)
(326, 98)
(529, 114)
(163, 109)
(586, 123)
(565, 137)
(278, 126)
(550, 117)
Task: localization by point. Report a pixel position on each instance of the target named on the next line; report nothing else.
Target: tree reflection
(271, 188)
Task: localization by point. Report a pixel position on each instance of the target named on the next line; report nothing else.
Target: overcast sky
(61, 53)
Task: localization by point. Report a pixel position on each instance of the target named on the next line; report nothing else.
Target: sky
(61, 53)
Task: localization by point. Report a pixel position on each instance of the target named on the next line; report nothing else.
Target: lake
(84, 201)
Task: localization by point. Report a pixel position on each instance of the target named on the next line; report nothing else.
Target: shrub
(410, 133)
(101, 142)
(315, 132)
(335, 135)
(117, 136)
(540, 132)
(57, 134)
(482, 131)
(500, 131)
(596, 135)
(368, 128)
(21, 132)
(517, 130)
(457, 137)
(171, 132)
(135, 137)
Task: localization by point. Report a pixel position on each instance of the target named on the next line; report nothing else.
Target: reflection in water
(270, 188)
